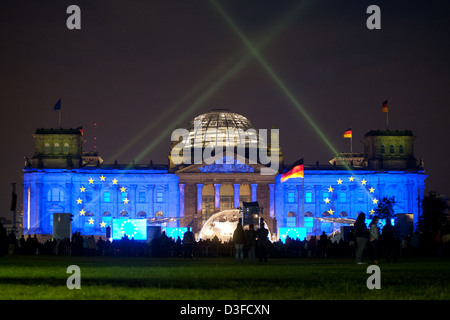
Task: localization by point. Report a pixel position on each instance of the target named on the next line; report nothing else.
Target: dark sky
(138, 68)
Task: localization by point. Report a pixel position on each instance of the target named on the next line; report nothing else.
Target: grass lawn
(120, 278)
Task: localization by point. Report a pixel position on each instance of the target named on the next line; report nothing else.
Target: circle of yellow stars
(363, 182)
(79, 201)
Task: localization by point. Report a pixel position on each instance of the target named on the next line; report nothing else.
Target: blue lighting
(134, 228)
(293, 233)
(175, 232)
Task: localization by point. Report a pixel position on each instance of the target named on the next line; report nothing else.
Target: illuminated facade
(62, 178)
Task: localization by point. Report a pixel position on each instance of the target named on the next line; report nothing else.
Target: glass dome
(222, 127)
(222, 225)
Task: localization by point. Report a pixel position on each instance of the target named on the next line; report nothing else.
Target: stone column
(254, 189)
(217, 196)
(236, 187)
(151, 200)
(181, 186)
(272, 200)
(199, 199)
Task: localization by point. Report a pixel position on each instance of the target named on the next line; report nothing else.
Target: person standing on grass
(239, 241)
(389, 241)
(188, 243)
(374, 235)
(251, 243)
(263, 242)
(361, 234)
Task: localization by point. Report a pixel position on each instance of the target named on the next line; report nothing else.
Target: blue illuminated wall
(344, 194)
(96, 196)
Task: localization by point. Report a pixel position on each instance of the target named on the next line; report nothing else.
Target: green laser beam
(174, 107)
(254, 52)
(292, 13)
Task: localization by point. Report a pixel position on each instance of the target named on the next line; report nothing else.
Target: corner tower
(57, 148)
(386, 149)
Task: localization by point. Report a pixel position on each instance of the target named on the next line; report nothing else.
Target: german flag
(296, 171)
(348, 133)
(384, 107)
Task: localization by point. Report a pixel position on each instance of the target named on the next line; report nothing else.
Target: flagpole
(303, 199)
(351, 141)
(387, 120)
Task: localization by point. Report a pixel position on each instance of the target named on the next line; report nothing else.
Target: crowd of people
(363, 244)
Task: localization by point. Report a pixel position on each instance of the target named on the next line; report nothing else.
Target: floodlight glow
(293, 233)
(132, 228)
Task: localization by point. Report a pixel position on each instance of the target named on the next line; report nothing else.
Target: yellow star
(330, 189)
(372, 212)
(82, 212)
(363, 181)
(339, 181)
(125, 201)
(91, 181)
(372, 190)
(102, 178)
(123, 189)
(91, 221)
(79, 201)
(327, 200)
(330, 211)
(115, 181)
(375, 201)
(82, 189)
(102, 224)
(351, 178)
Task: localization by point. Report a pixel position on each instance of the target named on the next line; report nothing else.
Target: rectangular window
(106, 197)
(291, 222)
(159, 197)
(342, 197)
(141, 196)
(124, 196)
(291, 197)
(326, 195)
(308, 197)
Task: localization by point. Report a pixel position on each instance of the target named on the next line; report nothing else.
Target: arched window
(56, 148)
(159, 214)
(401, 149)
(124, 214)
(382, 149)
(391, 149)
(66, 148)
(47, 148)
(142, 215)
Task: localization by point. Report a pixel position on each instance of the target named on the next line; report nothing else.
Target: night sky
(140, 68)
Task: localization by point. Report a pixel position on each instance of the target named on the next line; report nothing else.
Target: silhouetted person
(239, 241)
(262, 243)
(389, 241)
(251, 243)
(188, 243)
(361, 235)
(3, 240)
(374, 236)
